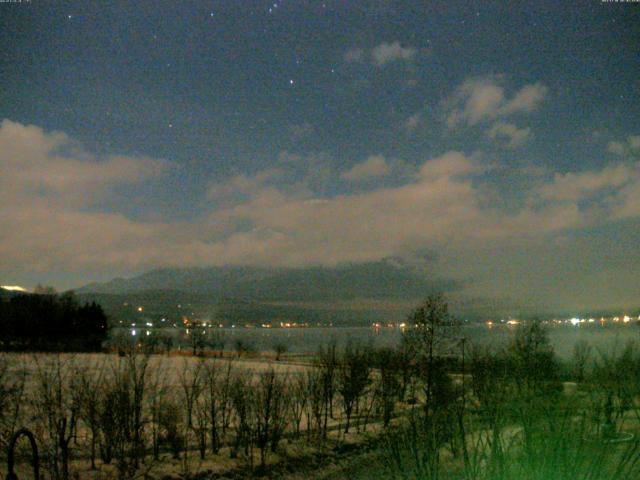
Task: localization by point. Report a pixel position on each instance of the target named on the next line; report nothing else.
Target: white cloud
(412, 122)
(53, 216)
(381, 54)
(50, 193)
(440, 207)
(373, 167)
(475, 100)
(574, 187)
(390, 52)
(617, 148)
(526, 100)
(451, 165)
(516, 137)
(243, 184)
(483, 98)
(51, 168)
(628, 147)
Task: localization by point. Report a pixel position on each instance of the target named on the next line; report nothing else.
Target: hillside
(375, 280)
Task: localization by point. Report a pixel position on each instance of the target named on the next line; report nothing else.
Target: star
(291, 82)
(171, 125)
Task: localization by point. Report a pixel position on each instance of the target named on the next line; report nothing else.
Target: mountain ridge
(383, 279)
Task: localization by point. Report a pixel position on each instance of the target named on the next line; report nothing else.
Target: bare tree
(389, 387)
(353, 379)
(89, 381)
(280, 348)
(241, 397)
(581, 356)
(197, 339)
(122, 411)
(58, 406)
(170, 422)
(243, 347)
(298, 388)
(228, 378)
(157, 390)
(268, 411)
(327, 364)
(216, 400)
(431, 340)
(191, 385)
(167, 340)
(216, 341)
(316, 398)
(12, 396)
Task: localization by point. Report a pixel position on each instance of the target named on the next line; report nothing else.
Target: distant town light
(13, 288)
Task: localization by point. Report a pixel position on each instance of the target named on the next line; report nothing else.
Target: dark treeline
(50, 322)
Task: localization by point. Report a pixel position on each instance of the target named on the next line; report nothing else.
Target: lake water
(605, 338)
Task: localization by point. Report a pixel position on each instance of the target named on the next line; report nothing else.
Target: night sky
(497, 144)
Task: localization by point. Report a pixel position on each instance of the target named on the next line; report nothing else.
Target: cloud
(373, 167)
(412, 122)
(516, 137)
(622, 147)
(475, 100)
(390, 52)
(483, 98)
(526, 100)
(51, 191)
(51, 168)
(443, 206)
(617, 148)
(602, 196)
(381, 55)
(450, 165)
(242, 184)
(54, 198)
(575, 186)
(440, 204)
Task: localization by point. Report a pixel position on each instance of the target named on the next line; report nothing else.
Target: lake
(605, 338)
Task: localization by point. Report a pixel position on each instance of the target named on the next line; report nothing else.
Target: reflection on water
(307, 340)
